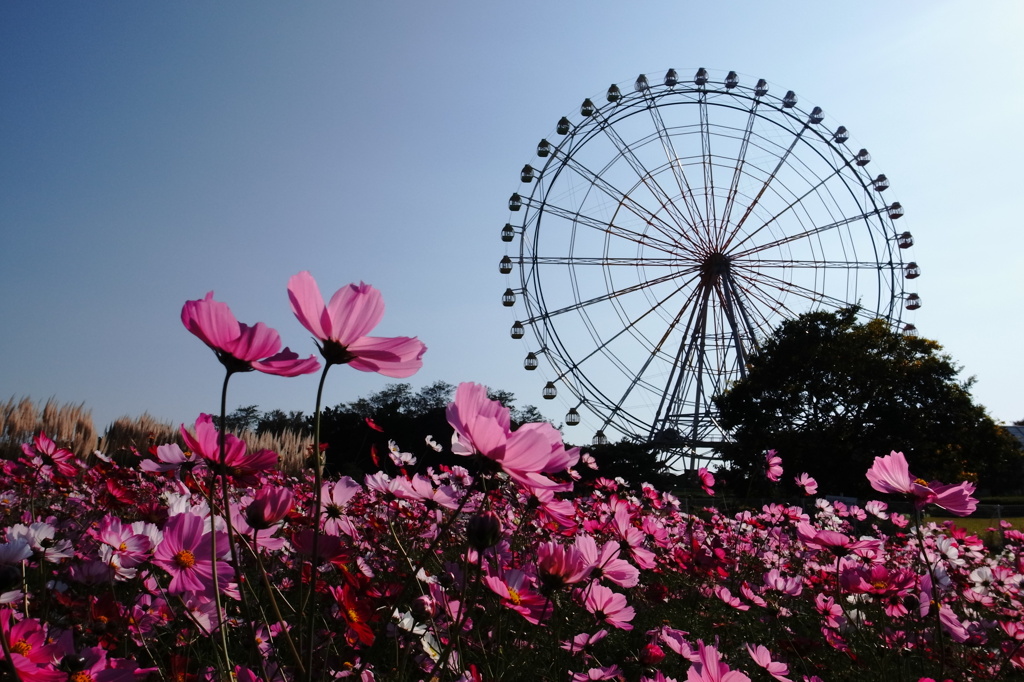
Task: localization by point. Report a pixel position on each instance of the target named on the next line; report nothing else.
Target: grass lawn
(979, 526)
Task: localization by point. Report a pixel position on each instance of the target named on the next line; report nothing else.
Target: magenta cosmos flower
(891, 474)
(239, 347)
(710, 667)
(185, 553)
(483, 426)
(608, 607)
(773, 466)
(235, 460)
(341, 327)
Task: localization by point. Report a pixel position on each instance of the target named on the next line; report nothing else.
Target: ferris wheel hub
(714, 266)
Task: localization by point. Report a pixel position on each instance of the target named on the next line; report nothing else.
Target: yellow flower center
(513, 596)
(879, 585)
(81, 676)
(921, 481)
(122, 547)
(21, 647)
(185, 559)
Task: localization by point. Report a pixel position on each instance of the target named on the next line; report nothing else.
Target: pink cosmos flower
(129, 548)
(707, 480)
(270, 506)
(891, 474)
(583, 641)
(169, 457)
(809, 485)
(558, 565)
(723, 593)
(606, 562)
(236, 461)
(341, 328)
(334, 502)
(239, 347)
(838, 543)
(483, 426)
(763, 658)
(792, 585)
(633, 536)
(185, 554)
(611, 672)
(774, 465)
(33, 654)
(62, 458)
(421, 488)
(711, 669)
(609, 607)
(517, 593)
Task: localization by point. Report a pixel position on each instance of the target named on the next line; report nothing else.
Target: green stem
(934, 601)
(318, 476)
(222, 456)
(274, 606)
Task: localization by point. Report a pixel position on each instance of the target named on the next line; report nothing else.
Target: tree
(635, 463)
(830, 394)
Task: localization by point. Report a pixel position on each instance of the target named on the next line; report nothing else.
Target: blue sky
(151, 152)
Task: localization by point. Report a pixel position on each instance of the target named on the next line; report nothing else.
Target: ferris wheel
(660, 234)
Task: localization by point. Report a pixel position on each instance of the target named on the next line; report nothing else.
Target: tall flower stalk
(340, 329)
(240, 348)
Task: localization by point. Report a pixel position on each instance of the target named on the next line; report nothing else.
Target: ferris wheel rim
(748, 269)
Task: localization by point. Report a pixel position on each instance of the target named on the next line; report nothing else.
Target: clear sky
(151, 152)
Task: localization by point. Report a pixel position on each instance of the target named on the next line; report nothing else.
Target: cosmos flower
(516, 591)
(707, 480)
(483, 426)
(185, 553)
(558, 565)
(234, 461)
(239, 347)
(341, 327)
(710, 667)
(763, 658)
(891, 474)
(609, 607)
(774, 466)
(809, 485)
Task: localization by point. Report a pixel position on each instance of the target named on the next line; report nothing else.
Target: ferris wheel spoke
(754, 266)
(578, 305)
(759, 306)
(685, 191)
(741, 159)
(795, 203)
(798, 236)
(656, 349)
(670, 232)
(783, 158)
(805, 293)
(705, 151)
(606, 261)
(578, 218)
(643, 174)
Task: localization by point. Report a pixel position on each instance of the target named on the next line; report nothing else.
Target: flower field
(206, 562)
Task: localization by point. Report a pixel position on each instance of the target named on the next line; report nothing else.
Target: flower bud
(652, 654)
(483, 530)
(424, 607)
